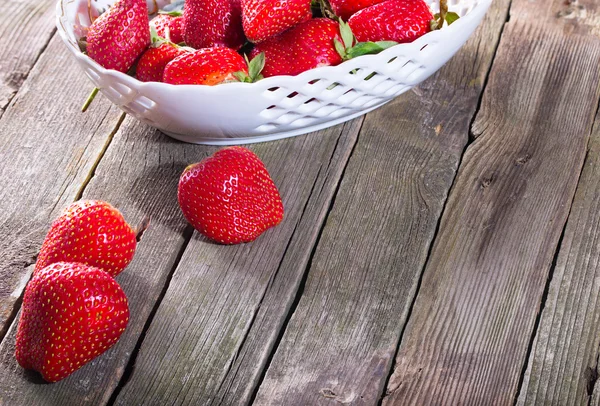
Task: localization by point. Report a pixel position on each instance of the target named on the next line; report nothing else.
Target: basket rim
(365, 61)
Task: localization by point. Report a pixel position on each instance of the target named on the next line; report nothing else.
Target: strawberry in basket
(120, 35)
(169, 26)
(209, 23)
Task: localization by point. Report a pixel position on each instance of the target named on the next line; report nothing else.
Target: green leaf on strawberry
(255, 67)
(174, 13)
(351, 48)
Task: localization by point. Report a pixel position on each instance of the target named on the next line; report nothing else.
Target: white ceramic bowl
(276, 107)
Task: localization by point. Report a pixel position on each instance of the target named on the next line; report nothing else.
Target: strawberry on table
(210, 23)
(230, 197)
(265, 18)
(71, 313)
(306, 46)
(392, 20)
(171, 24)
(207, 66)
(119, 36)
(90, 232)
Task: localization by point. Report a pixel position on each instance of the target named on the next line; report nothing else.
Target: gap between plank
(105, 147)
(17, 305)
(302, 284)
(188, 232)
(470, 140)
(472, 136)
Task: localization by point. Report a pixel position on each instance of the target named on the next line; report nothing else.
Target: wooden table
(444, 249)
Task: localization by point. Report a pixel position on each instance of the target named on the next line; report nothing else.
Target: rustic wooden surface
(468, 335)
(361, 296)
(26, 27)
(562, 366)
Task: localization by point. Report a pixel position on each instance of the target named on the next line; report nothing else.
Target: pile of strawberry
(217, 41)
(73, 309)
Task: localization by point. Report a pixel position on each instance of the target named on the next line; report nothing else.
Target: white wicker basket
(276, 107)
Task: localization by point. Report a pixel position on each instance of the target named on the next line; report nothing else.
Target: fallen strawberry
(90, 232)
(120, 35)
(230, 197)
(392, 20)
(71, 313)
(207, 66)
(169, 26)
(210, 23)
(266, 18)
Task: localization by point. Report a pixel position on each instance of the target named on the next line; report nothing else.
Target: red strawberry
(120, 35)
(90, 232)
(345, 8)
(151, 65)
(207, 66)
(230, 197)
(306, 46)
(71, 313)
(172, 23)
(392, 20)
(210, 23)
(265, 18)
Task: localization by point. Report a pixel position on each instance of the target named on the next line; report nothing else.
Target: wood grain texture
(564, 354)
(26, 27)
(217, 290)
(47, 149)
(339, 344)
(572, 16)
(138, 174)
(467, 339)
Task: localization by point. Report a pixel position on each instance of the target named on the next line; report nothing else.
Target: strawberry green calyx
(174, 13)
(443, 16)
(255, 67)
(349, 47)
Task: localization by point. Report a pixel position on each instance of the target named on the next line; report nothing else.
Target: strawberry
(119, 36)
(392, 20)
(207, 66)
(153, 61)
(265, 18)
(345, 8)
(306, 46)
(169, 26)
(210, 23)
(71, 313)
(90, 232)
(230, 197)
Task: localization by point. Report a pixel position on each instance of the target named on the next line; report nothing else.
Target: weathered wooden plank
(574, 16)
(26, 27)
(467, 339)
(339, 344)
(216, 290)
(47, 149)
(565, 350)
(138, 174)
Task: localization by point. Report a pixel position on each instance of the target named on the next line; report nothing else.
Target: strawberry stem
(89, 100)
